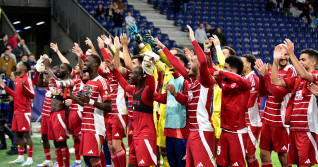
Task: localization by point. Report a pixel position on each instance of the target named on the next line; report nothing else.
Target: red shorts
(130, 131)
(252, 139)
(274, 138)
(132, 153)
(91, 144)
(200, 149)
(74, 122)
(21, 122)
(303, 148)
(231, 149)
(145, 152)
(116, 127)
(45, 125)
(57, 126)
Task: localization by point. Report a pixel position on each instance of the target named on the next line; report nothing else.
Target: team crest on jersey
(190, 95)
(88, 90)
(233, 85)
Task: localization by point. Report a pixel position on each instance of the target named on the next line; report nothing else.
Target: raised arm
(301, 71)
(173, 60)
(219, 53)
(35, 79)
(55, 48)
(41, 82)
(6, 88)
(28, 87)
(89, 43)
(262, 70)
(127, 59)
(123, 83)
(102, 49)
(241, 82)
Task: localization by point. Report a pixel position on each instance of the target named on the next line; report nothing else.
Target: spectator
(109, 12)
(286, 7)
(13, 40)
(270, 5)
(120, 5)
(221, 36)
(200, 35)
(278, 3)
(118, 22)
(19, 50)
(129, 21)
(209, 31)
(185, 6)
(100, 13)
(3, 42)
(25, 58)
(306, 10)
(7, 63)
(32, 63)
(11, 54)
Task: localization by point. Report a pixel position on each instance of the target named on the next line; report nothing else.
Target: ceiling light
(40, 23)
(16, 22)
(27, 27)
(19, 31)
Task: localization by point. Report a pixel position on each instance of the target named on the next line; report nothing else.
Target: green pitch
(38, 154)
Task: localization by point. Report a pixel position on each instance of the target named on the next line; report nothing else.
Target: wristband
(91, 102)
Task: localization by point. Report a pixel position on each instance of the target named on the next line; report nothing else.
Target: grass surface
(38, 154)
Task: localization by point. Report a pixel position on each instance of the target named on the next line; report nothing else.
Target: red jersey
(46, 110)
(130, 109)
(77, 87)
(277, 97)
(22, 95)
(200, 92)
(235, 96)
(144, 127)
(304, 112)
(117, 93)
(253, 117)
(93, 118)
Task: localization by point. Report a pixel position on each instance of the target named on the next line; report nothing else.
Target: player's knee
(282, 158)
(163, 151)
(265, 155)
(20, 134)
(44, 138)
(62, 144)
(95, 162)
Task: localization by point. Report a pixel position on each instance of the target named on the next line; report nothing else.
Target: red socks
(59, 158)
(102, 158)
(115, 160)
(267, 164)
(252, 162)
(30, 151)
(66, 156)
(121, 158)
(47, 153)
(21, 150)
(77, 147)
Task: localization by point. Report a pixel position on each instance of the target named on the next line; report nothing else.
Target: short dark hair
(69, 67)
(96, 58)
(183, 58)
(251, 59)
(2, 35)
(312, 53)
(231, 50)
(140, 58)
(27, 65)
(235, 63)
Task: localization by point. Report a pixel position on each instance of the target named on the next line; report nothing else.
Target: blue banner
(37, 103)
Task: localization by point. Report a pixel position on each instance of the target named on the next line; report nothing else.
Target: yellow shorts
(216, 121)
(161, 139)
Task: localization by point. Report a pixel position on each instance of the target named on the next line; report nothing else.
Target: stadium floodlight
(16, 22)
(19, 31)
(27, 27)
(40, 23)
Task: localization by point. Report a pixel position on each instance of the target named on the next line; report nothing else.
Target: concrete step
(166, 26)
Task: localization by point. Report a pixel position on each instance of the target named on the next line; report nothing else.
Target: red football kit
(199, 101)
(22, 103)
(144, 136)
(274, 113)
(302, 116)
(93, 123)
(253, 117)
(235, 96)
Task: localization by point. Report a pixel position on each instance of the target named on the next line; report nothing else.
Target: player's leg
(180, 149)
(237, 151)
(266, 146)
(65, 153)
(77, 142)
(45, 142)
(20, 159)
(28, 138)
(203, 148)
(252, 139)
(281, 143)
(171, 152)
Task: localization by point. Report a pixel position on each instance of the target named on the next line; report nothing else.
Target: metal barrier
(76, 21)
